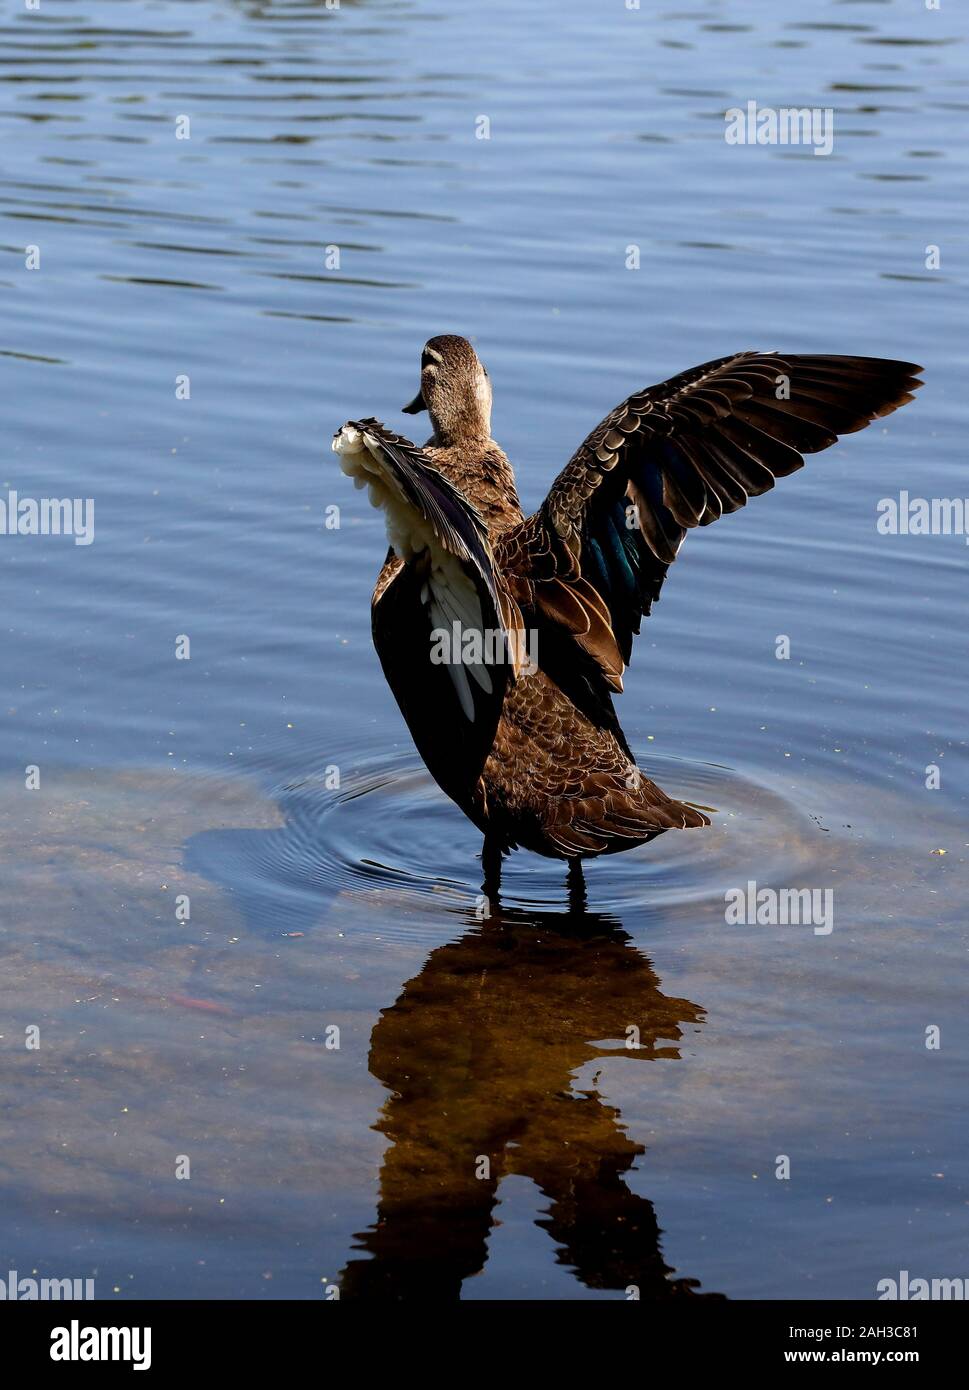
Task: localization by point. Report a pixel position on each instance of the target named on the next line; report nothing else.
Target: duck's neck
(465, 427)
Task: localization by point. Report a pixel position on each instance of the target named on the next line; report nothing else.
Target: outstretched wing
(672, 457)
(441, 625)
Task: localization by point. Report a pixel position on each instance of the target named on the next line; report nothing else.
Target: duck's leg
(575, 878)
(491, 857)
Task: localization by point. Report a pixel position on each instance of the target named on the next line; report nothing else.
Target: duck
(504, 638)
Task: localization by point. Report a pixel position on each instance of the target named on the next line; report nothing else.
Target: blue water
(212, 257)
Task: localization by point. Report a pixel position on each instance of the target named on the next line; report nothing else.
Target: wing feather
(680, 455)
(450, 586)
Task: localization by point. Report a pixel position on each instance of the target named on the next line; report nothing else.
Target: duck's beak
(416, 405)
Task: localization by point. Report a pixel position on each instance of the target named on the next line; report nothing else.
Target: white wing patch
(449, 594)
(452, 598)
(361, 459)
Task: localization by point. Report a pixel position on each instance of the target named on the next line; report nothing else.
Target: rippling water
(279, 203)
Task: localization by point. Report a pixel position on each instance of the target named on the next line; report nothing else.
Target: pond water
(244, 219)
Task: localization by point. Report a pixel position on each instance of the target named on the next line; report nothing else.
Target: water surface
(316, 906)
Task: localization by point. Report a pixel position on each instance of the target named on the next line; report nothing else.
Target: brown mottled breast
(485, 477)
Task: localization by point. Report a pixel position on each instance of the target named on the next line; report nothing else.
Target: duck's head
(455, 391)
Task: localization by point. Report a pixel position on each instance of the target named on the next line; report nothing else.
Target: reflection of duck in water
(479, 1054)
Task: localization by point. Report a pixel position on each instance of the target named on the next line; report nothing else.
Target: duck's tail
(615, 817)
